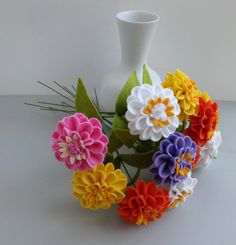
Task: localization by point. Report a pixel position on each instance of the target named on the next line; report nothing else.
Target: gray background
(36, 206)
(61, 40)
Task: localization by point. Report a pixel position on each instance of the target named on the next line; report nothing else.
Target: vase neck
(136, 31)
(132, 59)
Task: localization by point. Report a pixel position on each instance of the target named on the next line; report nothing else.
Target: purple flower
(173, 162)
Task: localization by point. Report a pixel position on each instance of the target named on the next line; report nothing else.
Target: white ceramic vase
(136, 29)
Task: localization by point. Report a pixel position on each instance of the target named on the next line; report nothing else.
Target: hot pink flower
(79, 142)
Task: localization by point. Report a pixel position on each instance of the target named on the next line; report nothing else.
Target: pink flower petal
(96, 133)
(73, 123)
(81, 117)
(95, 122)
(55, 135)
(96, 158)
(73, 129)
(104, 139)
(60, 126)
(87, 127)
(57, 155)
(85, 136)
(96, 147)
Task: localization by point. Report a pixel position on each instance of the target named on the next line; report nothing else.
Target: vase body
(136, 30)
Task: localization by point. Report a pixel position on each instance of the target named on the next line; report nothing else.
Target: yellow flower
(100, 187)
(185, 90)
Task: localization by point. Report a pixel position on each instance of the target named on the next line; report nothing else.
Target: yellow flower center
(185, 170)
(98, 193)
(146, 215)
(180, 198)
(159, 111)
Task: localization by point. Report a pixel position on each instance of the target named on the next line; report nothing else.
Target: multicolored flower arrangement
(169, 128)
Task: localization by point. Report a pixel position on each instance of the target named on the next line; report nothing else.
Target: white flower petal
(72, 159)
(62, 144)
(134, 106)
(64, 154)
(142, 124)
(145, 92)
(68, 139)
(166, 132)
(156, 136)
(183, 189)
(210, 150)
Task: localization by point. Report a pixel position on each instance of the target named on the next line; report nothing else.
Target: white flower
(152, 112)
(210, 150)
(181, 191)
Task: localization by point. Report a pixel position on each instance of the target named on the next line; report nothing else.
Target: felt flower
(100, 187)
(210, 150)
(173, 162)
(204, 123)
(185, 90)
(152, 112)
(79, 142)
(144, 203)
(197, 158)
(181, 191)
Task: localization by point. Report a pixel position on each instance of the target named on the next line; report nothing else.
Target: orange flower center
(159, 111)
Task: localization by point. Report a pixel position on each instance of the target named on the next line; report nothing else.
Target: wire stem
(52, 89)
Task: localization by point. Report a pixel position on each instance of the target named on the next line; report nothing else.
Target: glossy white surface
(136, 31)
(36, 206)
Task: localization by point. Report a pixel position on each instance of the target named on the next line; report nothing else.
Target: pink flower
(79, 142)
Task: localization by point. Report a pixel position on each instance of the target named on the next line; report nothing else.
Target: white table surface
(36, 206)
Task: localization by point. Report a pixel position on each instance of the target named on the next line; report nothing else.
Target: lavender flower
(173, 162)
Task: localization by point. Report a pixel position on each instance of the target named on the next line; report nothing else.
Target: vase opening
(136, 16)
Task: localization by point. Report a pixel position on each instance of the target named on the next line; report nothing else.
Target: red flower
(203, 125)
(197, 157)
(143, 203)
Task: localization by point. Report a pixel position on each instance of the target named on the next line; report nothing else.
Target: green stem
(106, 120)
(106, 116)
(65, 89)
(134, 179)
(96, 97)
(73, 88)
(122, 163)
(126, 170)
(45, 108)
(45, 85)
(108, 113)
(49, 103)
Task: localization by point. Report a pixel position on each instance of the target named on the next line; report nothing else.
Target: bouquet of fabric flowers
(169, 128)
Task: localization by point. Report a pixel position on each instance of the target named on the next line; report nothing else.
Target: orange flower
(203, 125)
(197, 157)
(144, 203)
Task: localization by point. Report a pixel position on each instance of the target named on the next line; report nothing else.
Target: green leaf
(83, 102)
(121, 103)
(146, 76)
(117, 162)
(114, 143)
(108, 158)
(119, 122)
(145, 146)
(125, 137)
(180, 128)
(120, 128)
(138, 160)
